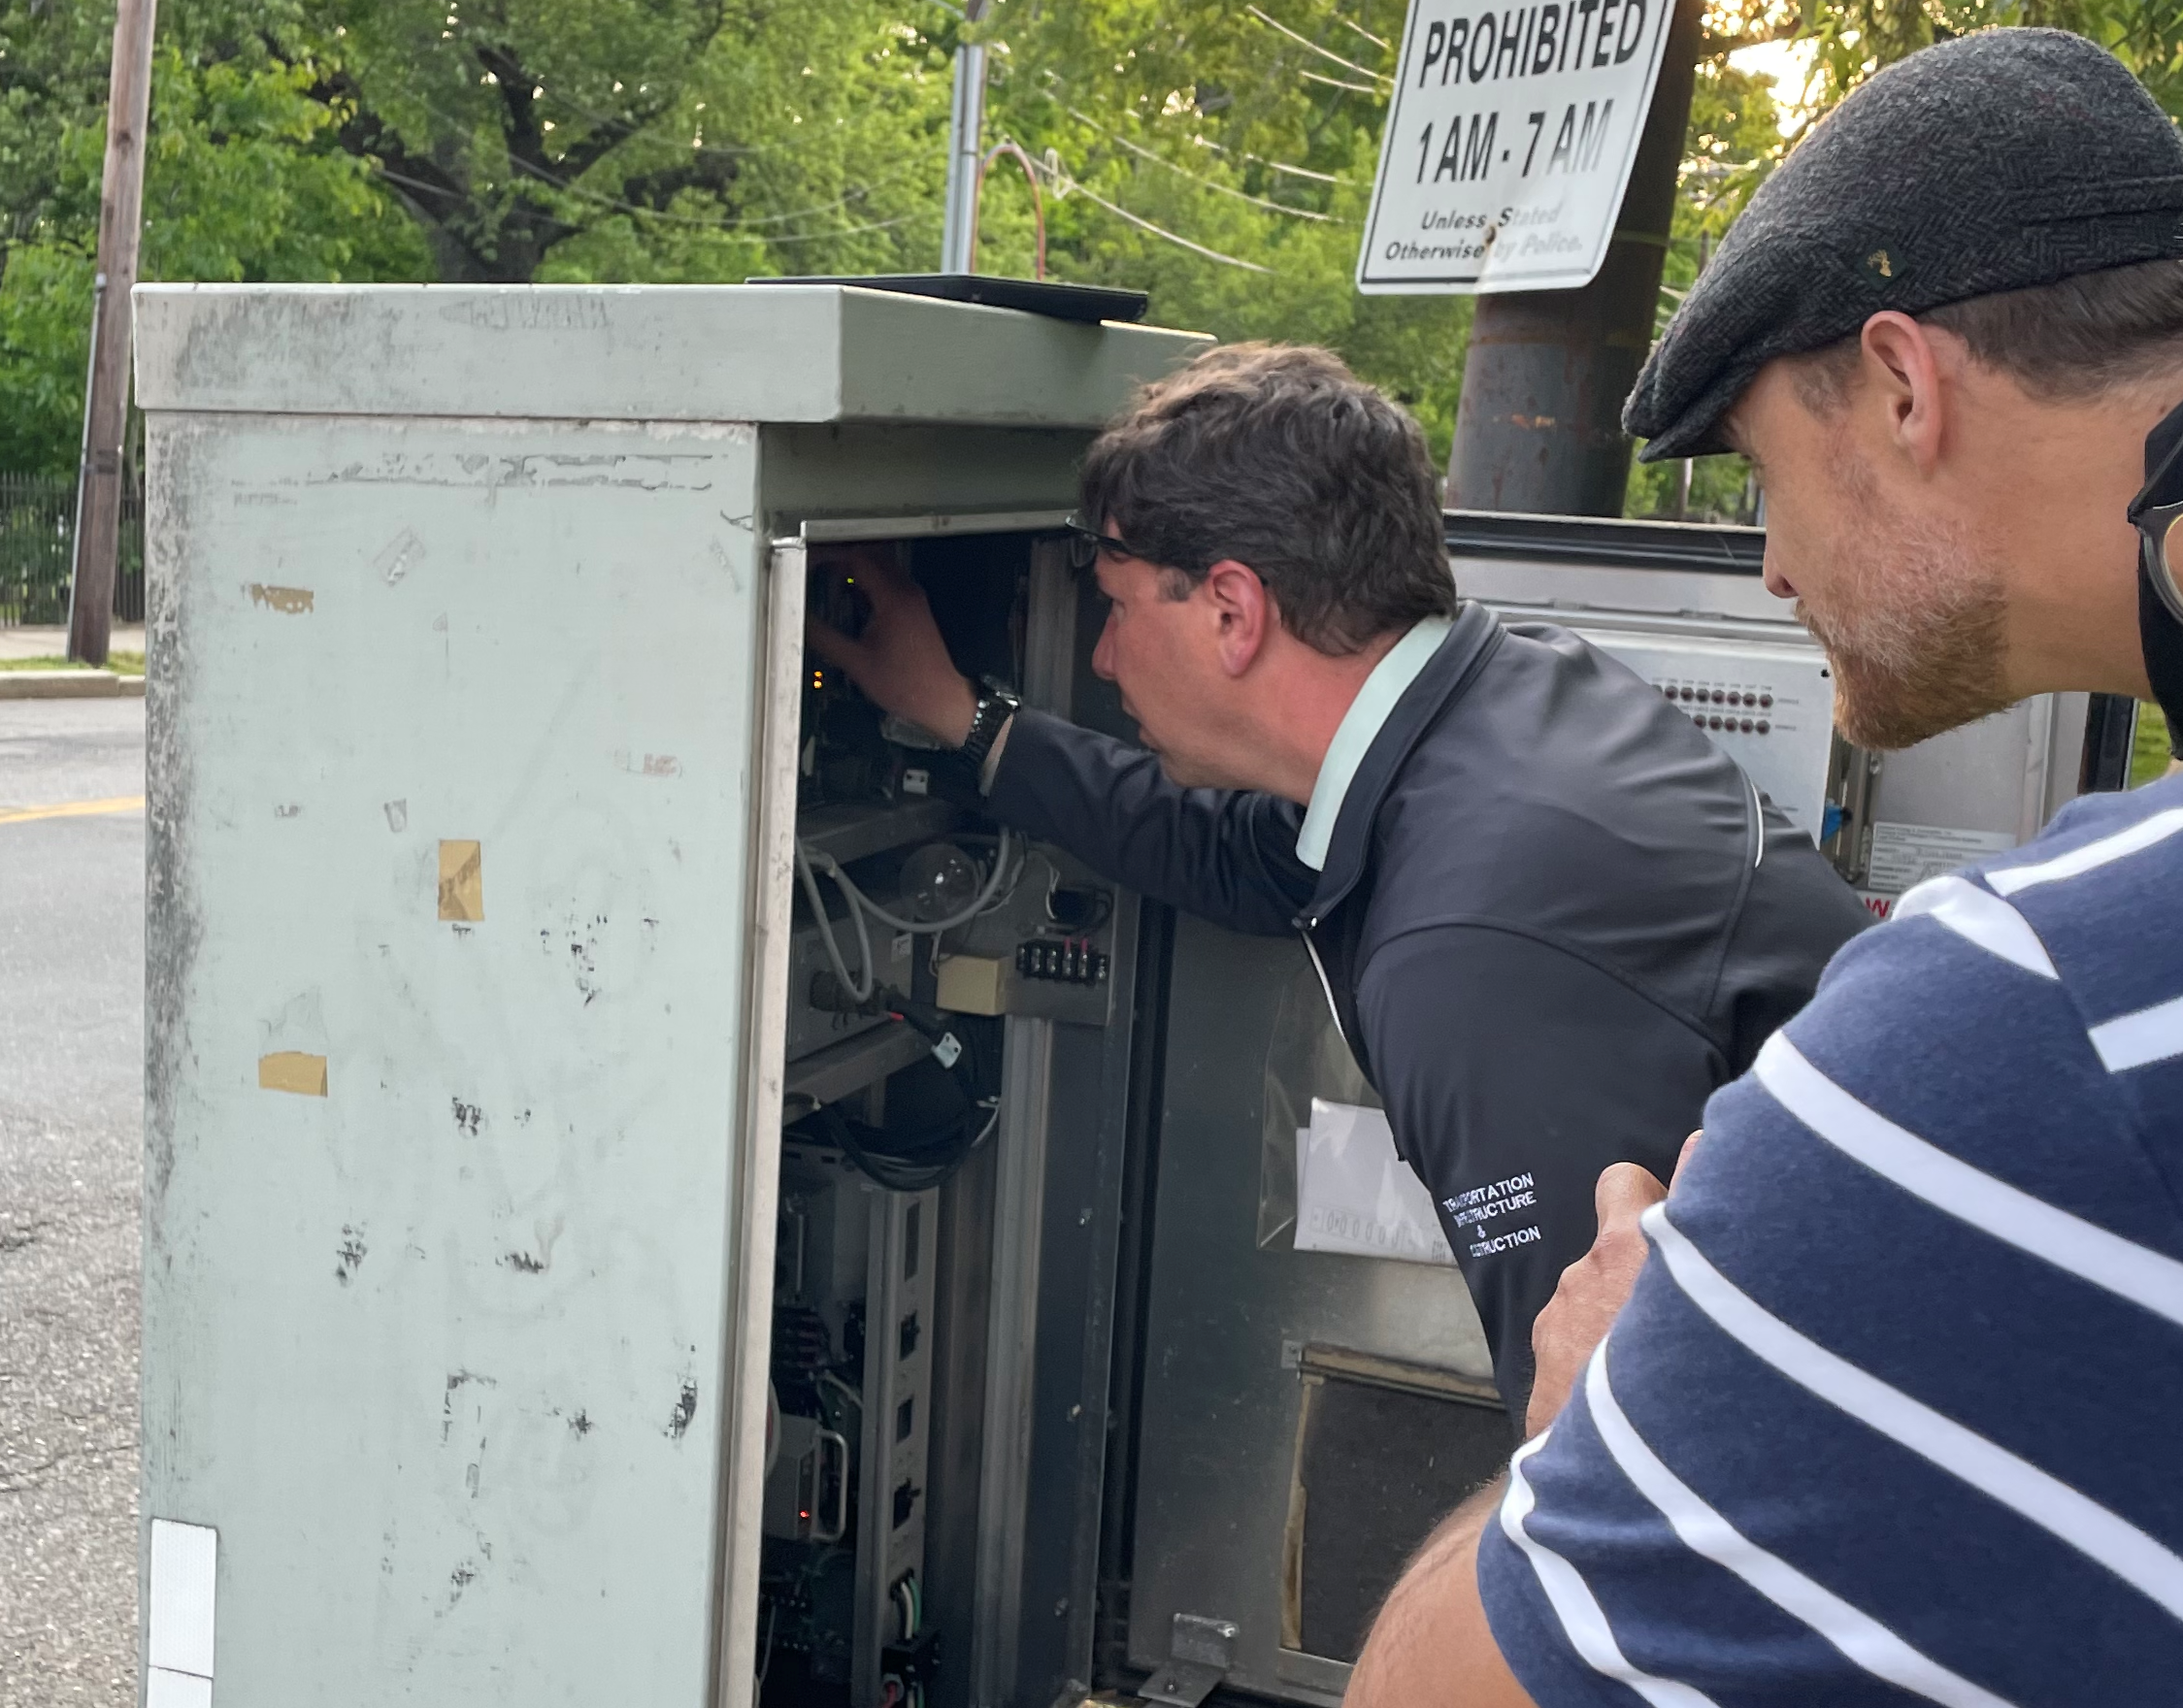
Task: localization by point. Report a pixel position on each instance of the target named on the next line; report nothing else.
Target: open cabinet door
(468, 880)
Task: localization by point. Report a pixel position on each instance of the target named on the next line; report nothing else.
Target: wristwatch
(995, 707)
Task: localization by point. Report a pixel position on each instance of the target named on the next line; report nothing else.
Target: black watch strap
(995, 707)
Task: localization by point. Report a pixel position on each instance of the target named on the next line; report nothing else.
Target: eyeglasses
(1086, 543)
(2157, 514)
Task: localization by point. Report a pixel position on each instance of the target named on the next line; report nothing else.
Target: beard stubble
(1916, 630)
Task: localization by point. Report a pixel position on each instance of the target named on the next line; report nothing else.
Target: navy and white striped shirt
(1895, 1411)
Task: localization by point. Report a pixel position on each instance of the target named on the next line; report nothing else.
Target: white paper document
(1354, 1194)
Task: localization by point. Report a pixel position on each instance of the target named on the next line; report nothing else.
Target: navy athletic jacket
(1553, 919)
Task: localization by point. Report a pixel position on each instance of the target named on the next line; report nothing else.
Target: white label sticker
(183, 1561)
(1355, 1194)
(1905, 855)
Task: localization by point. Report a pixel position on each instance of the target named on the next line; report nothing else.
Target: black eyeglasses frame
(2156, 513)
(1086, 543)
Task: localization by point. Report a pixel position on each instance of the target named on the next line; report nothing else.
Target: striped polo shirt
(1895, 1411)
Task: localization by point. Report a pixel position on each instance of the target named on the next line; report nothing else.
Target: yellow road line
(76, 809)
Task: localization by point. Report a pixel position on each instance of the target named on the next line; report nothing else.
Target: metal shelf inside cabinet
(843, 1069)
(857, 830)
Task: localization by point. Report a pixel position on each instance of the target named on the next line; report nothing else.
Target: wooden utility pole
(106, 396)
(1539, 425)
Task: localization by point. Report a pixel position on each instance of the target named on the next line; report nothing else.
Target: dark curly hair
(1278, 457)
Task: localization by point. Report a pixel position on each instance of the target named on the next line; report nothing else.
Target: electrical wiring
(1208, 183)
(861, 987)
(1335, 82)
(1274, 24)
(1071, 184)
(857, 899)
(828, 1379)
(1379, 42)
(766, 1657)
(1203, 142)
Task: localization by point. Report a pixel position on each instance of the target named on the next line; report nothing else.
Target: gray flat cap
(1996, 162)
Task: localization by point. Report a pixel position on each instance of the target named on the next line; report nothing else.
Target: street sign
(1509, 144)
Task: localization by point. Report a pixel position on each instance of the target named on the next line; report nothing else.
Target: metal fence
(37, 550)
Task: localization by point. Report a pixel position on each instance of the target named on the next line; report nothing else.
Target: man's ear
(1244, 610)
(1903, 378)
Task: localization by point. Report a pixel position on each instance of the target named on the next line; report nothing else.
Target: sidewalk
(44, 641)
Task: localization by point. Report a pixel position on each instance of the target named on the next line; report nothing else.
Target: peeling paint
(524, 1262)
(685, 1408)
(290, 602)
(400, 555)
(348, 1255)
(468, 1117)
(457, 1380)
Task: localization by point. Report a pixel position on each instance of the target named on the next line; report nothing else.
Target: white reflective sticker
(183, 1557)
(175, 1689)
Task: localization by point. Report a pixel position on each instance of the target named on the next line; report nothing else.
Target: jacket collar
(1451, 668)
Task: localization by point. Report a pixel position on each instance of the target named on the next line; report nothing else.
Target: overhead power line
(1379, 42)
(1070, 186)
(1197, 178)
(1335, 82)
(1274, 24)
(1203, 142)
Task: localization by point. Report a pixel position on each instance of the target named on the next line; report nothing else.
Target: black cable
(916, 1159)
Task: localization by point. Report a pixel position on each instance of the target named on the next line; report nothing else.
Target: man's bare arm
(1431, 1645)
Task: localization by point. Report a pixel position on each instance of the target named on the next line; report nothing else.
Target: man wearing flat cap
(1889, 1413)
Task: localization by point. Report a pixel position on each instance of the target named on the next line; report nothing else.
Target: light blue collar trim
(1360, 727)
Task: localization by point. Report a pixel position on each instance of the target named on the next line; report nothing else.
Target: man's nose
(1776, 579)
(1103, 655)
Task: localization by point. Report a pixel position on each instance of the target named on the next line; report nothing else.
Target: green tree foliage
(1217, 154)
(1736, 138)
(578, 140)
(1248, 131)
(243, 180)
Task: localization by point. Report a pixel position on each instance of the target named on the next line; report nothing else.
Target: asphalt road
(70, 1118)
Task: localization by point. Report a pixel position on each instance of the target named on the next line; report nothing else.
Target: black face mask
(2156, 511)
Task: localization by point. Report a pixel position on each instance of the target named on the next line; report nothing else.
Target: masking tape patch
(289, 601)
(293, 1070)
(462, 881)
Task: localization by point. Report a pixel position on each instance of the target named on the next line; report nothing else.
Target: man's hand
(899, 660)
(1594, 1289)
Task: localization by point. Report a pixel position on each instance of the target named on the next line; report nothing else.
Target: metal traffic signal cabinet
(650, 1195)
(476, 1366)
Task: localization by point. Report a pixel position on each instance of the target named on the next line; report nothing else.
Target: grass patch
(2149, 753)
(121, 664)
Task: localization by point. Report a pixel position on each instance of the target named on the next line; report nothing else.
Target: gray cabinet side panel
(1217, 1430)
(435, 1342)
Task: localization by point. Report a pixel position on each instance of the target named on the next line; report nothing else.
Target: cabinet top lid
(650, 353)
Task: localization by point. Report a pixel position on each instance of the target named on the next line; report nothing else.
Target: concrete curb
(68, 685)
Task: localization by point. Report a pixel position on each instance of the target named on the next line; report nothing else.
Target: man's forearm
(1431, 1644)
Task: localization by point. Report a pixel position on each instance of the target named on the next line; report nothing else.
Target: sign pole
(966, 135)
(1538, 427)
(106, 401)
